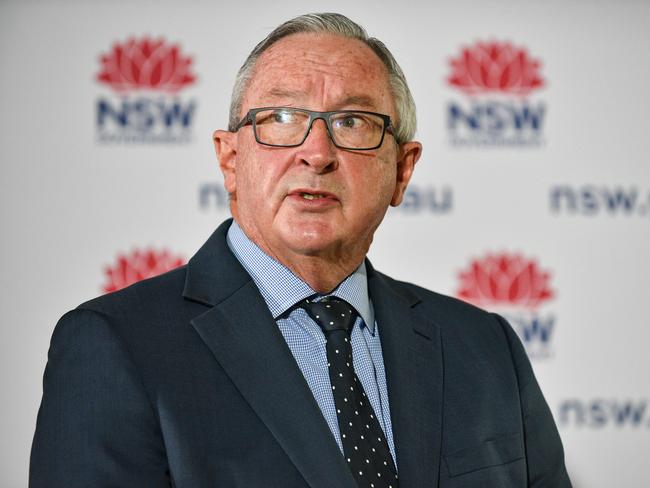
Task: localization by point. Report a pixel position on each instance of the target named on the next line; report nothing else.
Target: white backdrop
(557, 225)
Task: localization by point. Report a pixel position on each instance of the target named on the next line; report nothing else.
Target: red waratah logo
(146, 64)
(495, 67)
(504, 280)
(137, 266)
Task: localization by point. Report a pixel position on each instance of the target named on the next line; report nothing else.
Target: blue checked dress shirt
(281, 290)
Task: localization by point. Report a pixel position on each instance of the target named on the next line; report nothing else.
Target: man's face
(315, 199)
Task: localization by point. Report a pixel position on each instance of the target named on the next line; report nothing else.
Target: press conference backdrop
(532, 197)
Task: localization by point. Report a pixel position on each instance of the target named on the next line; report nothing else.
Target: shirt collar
(281, 289)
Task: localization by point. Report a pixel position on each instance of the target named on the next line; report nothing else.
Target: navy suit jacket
(185, 380)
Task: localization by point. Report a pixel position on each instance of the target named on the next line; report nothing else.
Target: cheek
(256, 181)
(384, 179)
(373, 190)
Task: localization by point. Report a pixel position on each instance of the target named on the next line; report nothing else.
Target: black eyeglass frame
(249, 119)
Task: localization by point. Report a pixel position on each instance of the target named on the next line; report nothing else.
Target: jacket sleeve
(544, 452)
(96, 426)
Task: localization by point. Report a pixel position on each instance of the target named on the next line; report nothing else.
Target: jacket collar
(213, 273)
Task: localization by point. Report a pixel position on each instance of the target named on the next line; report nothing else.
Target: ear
(409, 153)
(225, 145)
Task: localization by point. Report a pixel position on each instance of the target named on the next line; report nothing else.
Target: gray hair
(337, 24)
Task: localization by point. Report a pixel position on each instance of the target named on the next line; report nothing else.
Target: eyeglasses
(289, 127)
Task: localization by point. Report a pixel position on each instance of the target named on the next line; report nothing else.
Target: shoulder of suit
(157, 293)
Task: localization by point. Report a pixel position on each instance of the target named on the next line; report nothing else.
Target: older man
(279, 357)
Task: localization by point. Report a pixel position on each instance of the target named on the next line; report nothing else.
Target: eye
(352, 121)
(349, 121)
(283, 117)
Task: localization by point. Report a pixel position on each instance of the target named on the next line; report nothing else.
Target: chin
(310, 240)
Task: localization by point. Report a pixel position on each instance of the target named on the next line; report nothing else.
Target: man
(278, 357)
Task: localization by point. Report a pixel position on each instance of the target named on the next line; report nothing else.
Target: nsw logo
(139, 265)
(144, 77)
(518, 289)
(498, 80)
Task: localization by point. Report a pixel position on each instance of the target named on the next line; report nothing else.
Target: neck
(321, 274)
(322, 271)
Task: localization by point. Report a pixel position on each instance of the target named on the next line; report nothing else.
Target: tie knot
(331, 314)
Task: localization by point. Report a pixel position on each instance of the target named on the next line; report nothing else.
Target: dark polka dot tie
(364, 444)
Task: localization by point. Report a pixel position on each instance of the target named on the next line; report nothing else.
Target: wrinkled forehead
(326, 70)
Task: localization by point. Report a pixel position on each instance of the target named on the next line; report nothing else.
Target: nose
(318, 150)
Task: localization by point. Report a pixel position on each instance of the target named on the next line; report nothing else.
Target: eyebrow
(359, 100)
(285, 93)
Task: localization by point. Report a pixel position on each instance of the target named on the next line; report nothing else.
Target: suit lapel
(412, 351)
(245, 340)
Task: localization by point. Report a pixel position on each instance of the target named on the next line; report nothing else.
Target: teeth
(309, 196)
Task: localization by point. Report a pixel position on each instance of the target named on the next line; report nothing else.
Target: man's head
(317, 202)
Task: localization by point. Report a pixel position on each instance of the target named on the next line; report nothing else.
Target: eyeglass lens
(285, 127)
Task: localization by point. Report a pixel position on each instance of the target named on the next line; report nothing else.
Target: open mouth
(311, 196)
